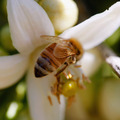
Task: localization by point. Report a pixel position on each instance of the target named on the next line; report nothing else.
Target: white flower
(28, 21)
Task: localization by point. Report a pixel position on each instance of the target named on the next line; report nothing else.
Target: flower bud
(62, 13)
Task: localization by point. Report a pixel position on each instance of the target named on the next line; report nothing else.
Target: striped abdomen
(47, 62)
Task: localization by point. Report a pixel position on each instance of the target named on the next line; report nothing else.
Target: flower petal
(27, 22)
(90, 62)
(97, 28)
(12, 68)
(38, 92)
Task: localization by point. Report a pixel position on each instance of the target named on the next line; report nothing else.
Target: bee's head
(78, 48)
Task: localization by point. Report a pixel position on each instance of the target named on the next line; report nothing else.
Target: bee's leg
(62, 69)
(55, 89)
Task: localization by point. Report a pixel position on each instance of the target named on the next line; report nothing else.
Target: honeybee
(57, 55)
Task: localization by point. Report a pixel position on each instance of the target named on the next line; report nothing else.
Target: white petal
(27, 22)
(38, 92)
(97, 28)
(12, 68)
(90, 62)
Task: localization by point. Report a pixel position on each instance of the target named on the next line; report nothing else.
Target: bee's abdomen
(47, 62)
(43, 67)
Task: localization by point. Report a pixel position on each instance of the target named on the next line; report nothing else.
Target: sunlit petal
(27, 22)
(38, 92)
(97, 28)
(12, 68)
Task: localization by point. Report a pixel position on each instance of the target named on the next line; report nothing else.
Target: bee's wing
(62, 51)
(51, 39)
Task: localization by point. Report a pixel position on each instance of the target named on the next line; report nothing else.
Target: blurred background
(101, 99)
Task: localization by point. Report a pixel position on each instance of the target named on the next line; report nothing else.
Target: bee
(57, 55)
